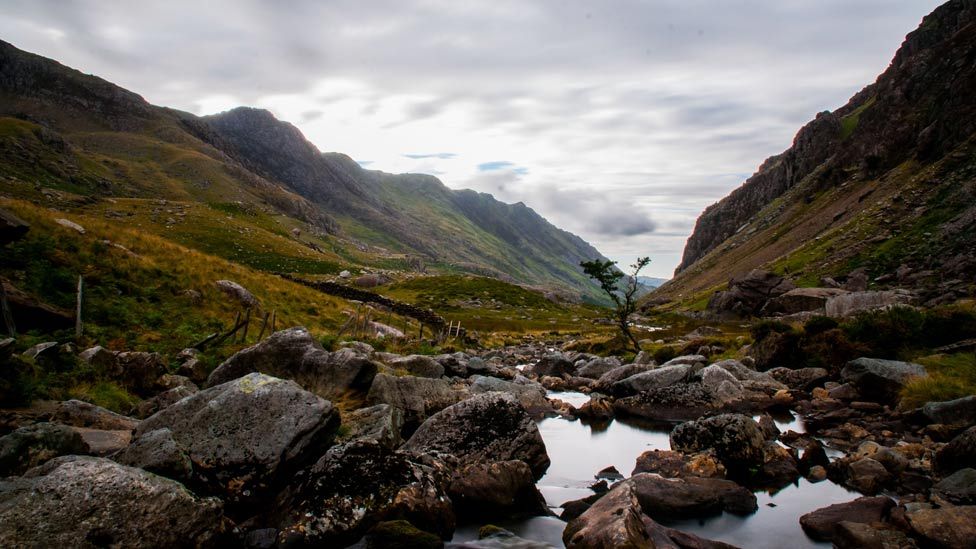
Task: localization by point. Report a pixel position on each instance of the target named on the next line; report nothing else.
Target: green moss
(849, 123)
(106, 394)
(950, 377)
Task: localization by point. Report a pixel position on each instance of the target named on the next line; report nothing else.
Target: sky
(617, 120)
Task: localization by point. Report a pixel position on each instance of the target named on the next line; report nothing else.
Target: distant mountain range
(88, 139)
(886, 183)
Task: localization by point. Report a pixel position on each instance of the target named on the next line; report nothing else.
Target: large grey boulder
(157, 452)
(800, 300)
(33, 445)
(679, 402)
(948, 527)
(961, 410)
(843, 305)
(880, 379)
(83, 414)
(959, 453)
(416, 397)
(555, 365)
(531, 395)
(652, 379)
(605, 382)
(381, 423)
(242, 435)
(800, 378)
(138, 371)
(294, 354)
(498, 489)
(736, 439)
(355, 486)
(663, 499)
(598, 366)
(821, 524)
(959, 487)
(94, 502)
(483, 429)
(748, 293)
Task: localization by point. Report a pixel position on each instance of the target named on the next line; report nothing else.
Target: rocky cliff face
(919, 109)
(885, 182)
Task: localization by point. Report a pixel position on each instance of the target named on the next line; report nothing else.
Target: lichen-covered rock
(678, 402)
(138, 371)
(94, 502)
(358, 485)
(949, 527)
(496, 489)
(652, 379)
(531, 395)
(822, 523)
(400, 534)
(416, 397)
(152, 405)
(736, 440)
(33, 445)
(605, 382)
(880, 379)
(82, 414)
(670, 464)
(157, 452)
(597, 367)
(242, 435)
(483, 429)
(801, 378)
(555, 365)
(381, 423)
(615, 520)
(417, 365)
(294, 354)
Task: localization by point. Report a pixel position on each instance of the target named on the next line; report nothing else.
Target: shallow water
(578, 451)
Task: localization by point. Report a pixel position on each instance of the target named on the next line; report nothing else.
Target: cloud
(648, 109)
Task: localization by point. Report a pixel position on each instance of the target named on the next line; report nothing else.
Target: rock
(848, 304)
(83, 414)
(595, 368)
(400, 534)
(483, 429)
(159, 402)
(238, 293)
(803, 379)
(615, 520)
(779, 467)
(644, 358)
(244, 434)
(960, 410)
(768, 426)
(690, 360)
(94, 502)
(606, 381)
(493, 537)
(722, 385)
(670, 464)
(609, 473)
(294, 354)
(12, 228)
(950, 527)
(138, 371)
(844, 391)
(357, 485)
(555, 365)
(39, 350)
(959, 487)
(157, 452)
(959, 453)
(416, 397)
(867, 476)
(33, 445)
(674, 403)
(531, 395)
(652, 379)
(857, 535)
(103, 442)
(690, 497)
(496, 489)
(817, 474)
(894, 462)
(747, 294)
(821, 524)
(381, 423)
(880, 379)
(736, 439)
(68, 224)
(32, 314)
(173, 381)
(799, 300)
(598, 408)
(418, 365)
(344, 274)
(262, 538)
(99, 357)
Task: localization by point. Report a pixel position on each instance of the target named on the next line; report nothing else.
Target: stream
(578, 451)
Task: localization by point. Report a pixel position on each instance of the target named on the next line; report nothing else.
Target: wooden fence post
(78, 323)
(8, 315)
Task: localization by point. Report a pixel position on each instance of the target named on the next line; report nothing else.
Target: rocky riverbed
(286, 444)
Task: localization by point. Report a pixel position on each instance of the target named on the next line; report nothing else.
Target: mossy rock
(400, 534)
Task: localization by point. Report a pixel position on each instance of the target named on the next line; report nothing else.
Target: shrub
(818, 325)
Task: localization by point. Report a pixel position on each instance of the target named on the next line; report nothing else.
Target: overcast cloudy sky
(617, 120)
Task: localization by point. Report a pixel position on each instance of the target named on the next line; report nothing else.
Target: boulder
(33, 445)
(959, 453)
(357, 485)
(800, 300)
(68, 224)
(690, 497)
(238, 294)
(159, 402)
(606, 381)
(949, 527)
(138, 371)
(32, 314)
(94, 502)
(595, 368)
(671, 464)
(959, 487)
(157, 452)
(961, 410)
(493, 537)
(857, 535)
(418, 365)
(736, 439)
(598, 408)
(880, 379)
(399, 534)
(99, 357)
(531, 395)
(867, 476)
(11, 227)
(103, 442)
(652, 379)
(674, 403)
(416, 397)
(381, 423)
(690, 360)
(722, 385)
(241, 436)
(803, 379)
(82, 414)
(40, 350)
(294, 354)
(615, 520)
(747, 294)
(496, 489)
(555, 365)
(483, 429)
(821, 524)
(844, 305)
